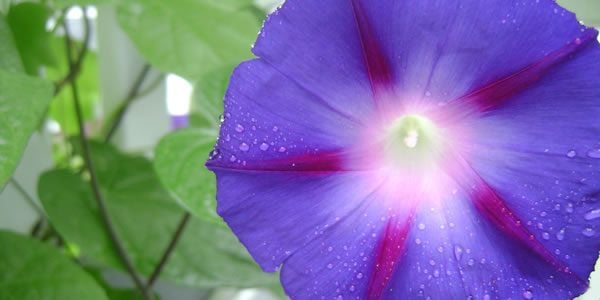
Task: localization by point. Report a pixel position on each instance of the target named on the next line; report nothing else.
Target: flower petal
(276, 213)
(269, 117)
(542, 159)
(447, 49)
(453, 252)
(328, 49)
(353, 259)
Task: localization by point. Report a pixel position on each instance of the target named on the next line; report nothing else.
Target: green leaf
(32, 270)
(179, 163)
(28, 24)
(145, 217)
(65, 3)
(23, 100)
(197, 36)
(207, 100)
(115, 293)
(9, 55)
(587, 11)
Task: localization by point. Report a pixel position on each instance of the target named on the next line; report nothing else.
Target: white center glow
(412, 138)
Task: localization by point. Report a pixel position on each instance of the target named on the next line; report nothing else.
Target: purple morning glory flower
(408, 149)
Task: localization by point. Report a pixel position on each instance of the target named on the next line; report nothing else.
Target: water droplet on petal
(589, 232)
(244, 147)
(527, 295)
(232, 158)
(458, 252)
(571, 154)
(239, 128)
(546, 236)
(264, 146)
(594, 153)
(329, 266)
(359, 275)
(282, 149)
(560, 235)
(592, 215)
(421, 226)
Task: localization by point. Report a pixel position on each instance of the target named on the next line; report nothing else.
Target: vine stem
(102, 208)
(131, 95)
(169, 250)
(74, 71)
(28, 198)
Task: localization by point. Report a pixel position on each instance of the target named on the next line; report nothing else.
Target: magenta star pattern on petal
(416, 149)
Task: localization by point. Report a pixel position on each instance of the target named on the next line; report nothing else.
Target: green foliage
(28, 24)
(146, 199)
(9, 55)
(145, 216)
(30, 270)
(179, 163)
(197, 36)
(207, 100)
(23, 100)
(65, 3)
(587, 11)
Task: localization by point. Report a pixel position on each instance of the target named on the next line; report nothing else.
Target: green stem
(102, 208)
(169, 250)
(131, 96)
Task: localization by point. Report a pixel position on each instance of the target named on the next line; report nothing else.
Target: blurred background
(129, 72)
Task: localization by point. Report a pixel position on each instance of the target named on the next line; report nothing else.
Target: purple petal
(327, 49)
(493, 94)
(269, 117)
(353, 259)
(453, 253)
(443, 50)
(277, 213)
(540, 159)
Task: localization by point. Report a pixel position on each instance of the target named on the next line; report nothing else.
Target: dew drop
(527, 295)
(232, 158)
(282, 149)
(546, 236)
(275, 128)
(418, 241)
(589, 232)
(571, 153)
(560, 235)
(421, 226)
(244, 147)
(352, 288)
(264, 146)
(458, 252)
(239, 128)
(594, 153)
(592, 215)
(359, 275)
(329, 266)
